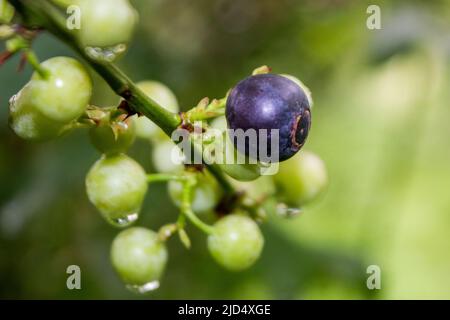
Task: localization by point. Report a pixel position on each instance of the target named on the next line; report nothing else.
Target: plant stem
(163, 177)
(47, 15)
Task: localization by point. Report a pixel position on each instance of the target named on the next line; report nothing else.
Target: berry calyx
(114, 138)
(139, 258)
(270, 102)
(236, 242)
(116, 186)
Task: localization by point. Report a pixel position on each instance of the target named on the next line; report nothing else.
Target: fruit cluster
(56, 100)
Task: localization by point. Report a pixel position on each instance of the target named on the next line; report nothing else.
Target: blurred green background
(380, 122)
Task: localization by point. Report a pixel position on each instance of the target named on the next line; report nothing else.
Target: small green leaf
(184, 238)
(261, 70)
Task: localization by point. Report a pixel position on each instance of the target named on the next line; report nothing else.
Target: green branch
(43, 14)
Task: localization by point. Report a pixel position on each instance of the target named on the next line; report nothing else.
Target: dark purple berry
(269, 101)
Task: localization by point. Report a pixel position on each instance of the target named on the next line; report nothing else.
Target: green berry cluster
(57, 100)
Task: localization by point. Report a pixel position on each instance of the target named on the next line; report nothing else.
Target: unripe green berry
(301, 179)
(245, 171)
(139, 257)
(219, 123)
(205, 196)
(236, 242)
(106, 23)
(27, 122)
(109, 142)
(117, 185)
(161, 94)
(64, 94)
(162, 156)
(222, 152)
(257, 190)
(242, 172)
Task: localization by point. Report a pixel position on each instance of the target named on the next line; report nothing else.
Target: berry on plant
(117, 185)
(106, 23)
(242, 172)
(219, 123)
(64, 93)
(269, 101)
(56, 100)
(139, 258)
(236, 242)
(162, 156)
(161, 94)
(27, 122)
(114, 138)
(301, 85)
(206, 193)
(234, 164)
(47, 104)
(302, 178)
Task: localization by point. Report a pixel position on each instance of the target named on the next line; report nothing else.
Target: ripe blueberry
(269, 101)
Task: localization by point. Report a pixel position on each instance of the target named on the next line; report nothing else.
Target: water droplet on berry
(13, 103)
(108, 54)
(288, 212)
(148, 287)
(125, 220)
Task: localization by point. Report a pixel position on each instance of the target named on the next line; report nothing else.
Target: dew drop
(148, 287)
(288, 212)
(13, 103)
(108, 54)
(125, 220)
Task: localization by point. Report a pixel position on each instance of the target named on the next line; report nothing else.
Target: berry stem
(186, 208)
(163, 177)
(34, 62)
(47, 15)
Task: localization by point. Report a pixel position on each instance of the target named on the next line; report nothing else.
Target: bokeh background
(380, 123)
